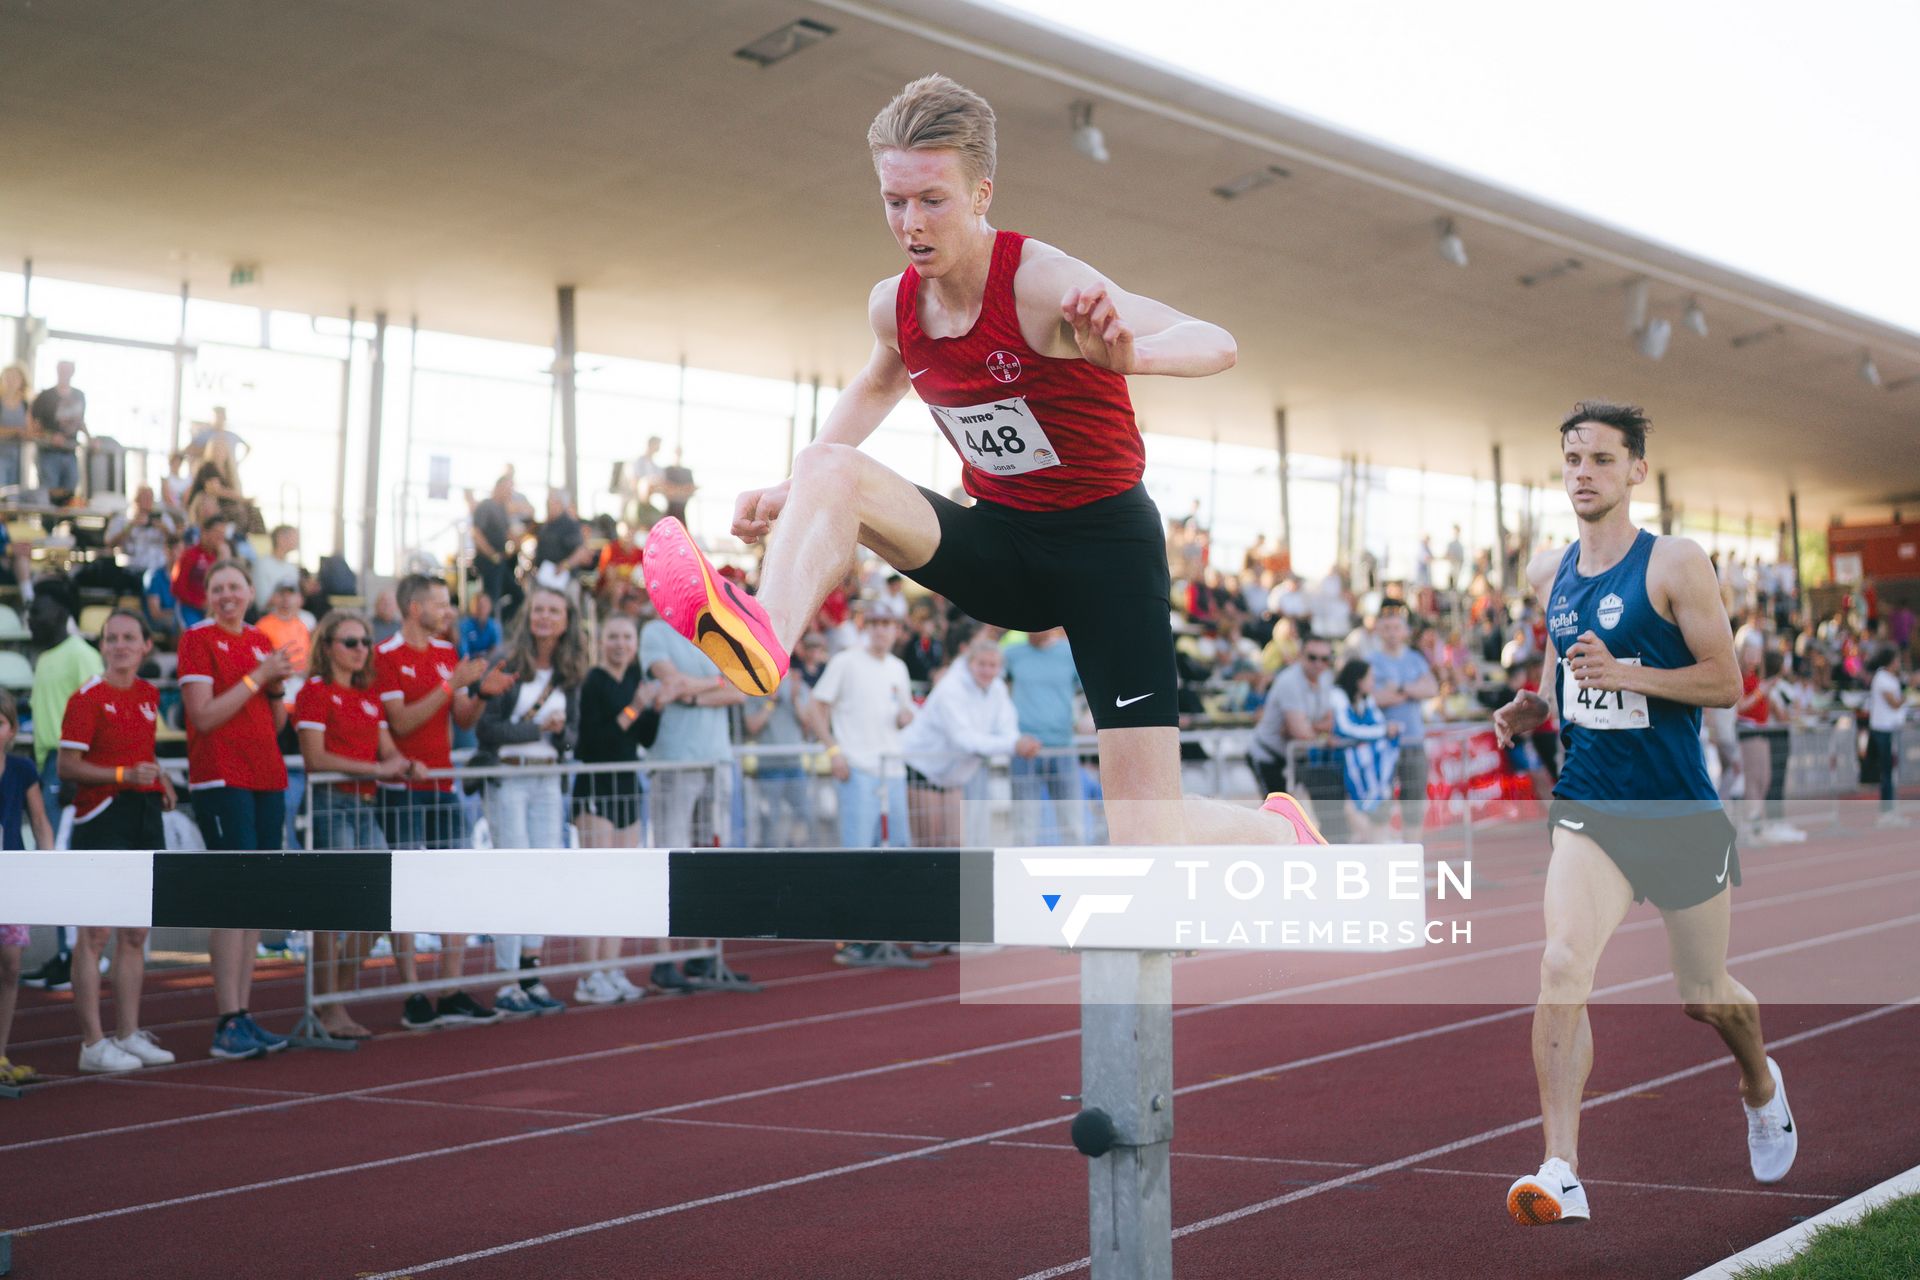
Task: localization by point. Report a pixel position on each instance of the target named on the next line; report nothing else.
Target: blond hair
(934, 112)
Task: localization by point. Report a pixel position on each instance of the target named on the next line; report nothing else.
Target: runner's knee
(1566, 977)
(835, 465)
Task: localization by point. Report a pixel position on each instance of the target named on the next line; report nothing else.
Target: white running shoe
(620, 983)
(143, 1046)
(1772, 1138)
(1549, 1196)
(595, 989)
(1782, 833)
(104, 1056)
(1891, 821)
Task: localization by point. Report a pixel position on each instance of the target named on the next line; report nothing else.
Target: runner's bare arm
(1682, 586)
(1528, 711)
(1068, 309)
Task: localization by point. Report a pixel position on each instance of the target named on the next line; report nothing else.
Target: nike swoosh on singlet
(911, 375)
(1724, 863)
(1119, 702)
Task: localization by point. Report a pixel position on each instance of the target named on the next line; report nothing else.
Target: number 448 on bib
(1001, 437)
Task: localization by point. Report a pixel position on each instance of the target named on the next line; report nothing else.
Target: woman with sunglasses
(231, 679)
(343, 730)
(107, 754)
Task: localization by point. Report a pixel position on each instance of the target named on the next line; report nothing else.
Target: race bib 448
(1001, 437)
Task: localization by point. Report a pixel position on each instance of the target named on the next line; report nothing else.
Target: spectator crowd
(218, 676)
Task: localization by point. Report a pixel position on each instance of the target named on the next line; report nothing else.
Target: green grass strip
(1884, 1245)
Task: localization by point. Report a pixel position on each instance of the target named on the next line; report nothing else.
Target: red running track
(851, 1123)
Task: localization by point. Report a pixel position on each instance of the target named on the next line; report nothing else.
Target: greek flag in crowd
(1368, 764)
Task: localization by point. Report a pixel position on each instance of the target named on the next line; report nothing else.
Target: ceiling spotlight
(1869, 371)
(1653, 339)
(784, 43)
(1757, 335)
(1694, 318)
(1637, 296)
(1246, 182)
(1554, 272)
(1449, 245)
(1087, 138)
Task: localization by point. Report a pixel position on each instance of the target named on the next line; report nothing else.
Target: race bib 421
(1603, 708)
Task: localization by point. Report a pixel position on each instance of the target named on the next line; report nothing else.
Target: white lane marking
(1474, 1140)
(922, 1152)
(922, 1002)
(1648, 1186)
(796, 1128)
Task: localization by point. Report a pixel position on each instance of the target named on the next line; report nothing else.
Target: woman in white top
(1885, 711)
(534, 725)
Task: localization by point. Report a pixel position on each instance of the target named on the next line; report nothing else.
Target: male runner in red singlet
(1021, 353)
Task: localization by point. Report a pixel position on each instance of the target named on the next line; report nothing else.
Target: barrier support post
(1126, 1121)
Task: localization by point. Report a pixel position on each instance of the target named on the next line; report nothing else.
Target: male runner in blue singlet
(1643, 643)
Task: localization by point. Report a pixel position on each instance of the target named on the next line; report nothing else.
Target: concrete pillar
(564, 350)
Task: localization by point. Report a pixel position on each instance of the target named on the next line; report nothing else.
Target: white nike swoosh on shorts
(1119, 702)
(1571, 825)
(1724, 864)
(911, 375)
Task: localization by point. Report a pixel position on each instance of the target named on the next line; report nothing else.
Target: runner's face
(1598, 471)
(932, 209)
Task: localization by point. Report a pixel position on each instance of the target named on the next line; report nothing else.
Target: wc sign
(1225, 897)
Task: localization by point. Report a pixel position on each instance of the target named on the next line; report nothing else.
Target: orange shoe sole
(1533, 1206)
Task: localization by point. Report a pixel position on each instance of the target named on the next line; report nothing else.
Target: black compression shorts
(1099, 570)
(1674, 862)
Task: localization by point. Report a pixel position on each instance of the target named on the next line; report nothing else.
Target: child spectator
(1373, 754)
(107, 755)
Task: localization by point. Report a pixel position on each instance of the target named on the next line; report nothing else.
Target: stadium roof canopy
(458, 159)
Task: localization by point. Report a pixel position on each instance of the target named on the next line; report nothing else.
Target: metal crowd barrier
(682, 805)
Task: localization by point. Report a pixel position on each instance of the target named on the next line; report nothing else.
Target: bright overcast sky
(1774, 136)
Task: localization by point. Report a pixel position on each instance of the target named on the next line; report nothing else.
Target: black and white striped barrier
(1124, 908)
(1233, 897)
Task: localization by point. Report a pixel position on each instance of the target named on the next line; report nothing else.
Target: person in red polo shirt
(231, 680)
(107, 755)
(191, 567)
(344, 730)
(424, 686)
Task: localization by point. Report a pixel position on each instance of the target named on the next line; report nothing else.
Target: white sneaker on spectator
(1890, 821)
(103, 1056)
(1783, 833)
(593, 988)
(620, 983)
(143, 1046)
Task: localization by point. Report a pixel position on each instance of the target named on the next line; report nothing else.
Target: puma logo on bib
(1610, 610)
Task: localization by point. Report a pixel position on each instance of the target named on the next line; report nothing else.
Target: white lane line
(480, 1106)
(1650, 1186)
(1486, 1135)
(564, 1060)
(1000, 1134)
(795, 1128)
(1201, 1155)
(926, 1001)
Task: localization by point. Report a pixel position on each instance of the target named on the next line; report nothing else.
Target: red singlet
(1035, 432)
